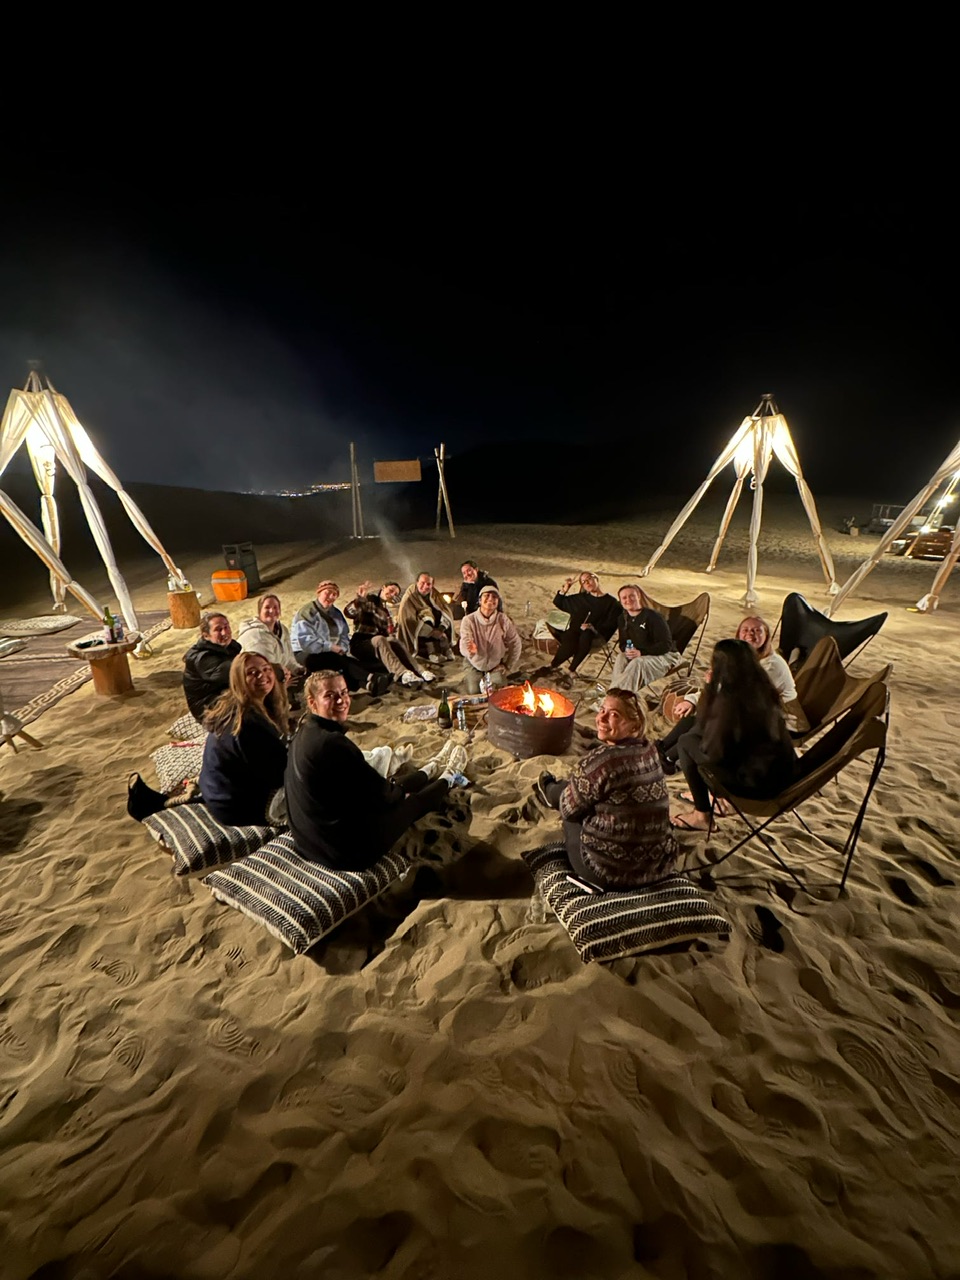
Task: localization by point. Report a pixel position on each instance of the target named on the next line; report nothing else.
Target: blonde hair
(226, 714)
(766, 648)
(631, 705)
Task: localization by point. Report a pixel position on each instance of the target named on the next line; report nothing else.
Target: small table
(108, 662)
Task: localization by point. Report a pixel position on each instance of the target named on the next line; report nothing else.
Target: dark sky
(240, 337)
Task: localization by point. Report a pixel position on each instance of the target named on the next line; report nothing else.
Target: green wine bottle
(444, 719)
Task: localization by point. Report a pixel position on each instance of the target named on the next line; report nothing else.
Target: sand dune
(442, 1088)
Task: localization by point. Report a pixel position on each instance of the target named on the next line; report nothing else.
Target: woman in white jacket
(267, 635)
(489, 641)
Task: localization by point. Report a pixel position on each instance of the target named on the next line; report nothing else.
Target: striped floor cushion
(608, 926)
(299, 902)
(176, 763)
(187, 729)
(198, 841)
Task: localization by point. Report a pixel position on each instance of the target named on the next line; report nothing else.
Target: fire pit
(527, 721)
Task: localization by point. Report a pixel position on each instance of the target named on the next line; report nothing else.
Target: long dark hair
(226, 714)
(739, 704)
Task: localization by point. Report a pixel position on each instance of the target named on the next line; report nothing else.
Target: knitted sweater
(618, 795)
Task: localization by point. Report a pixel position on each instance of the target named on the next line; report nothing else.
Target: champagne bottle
(444, 719)
(108, 625)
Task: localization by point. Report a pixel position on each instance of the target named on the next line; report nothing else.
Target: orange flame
(535, 702)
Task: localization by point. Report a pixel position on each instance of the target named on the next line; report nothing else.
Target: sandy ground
(442, 1089)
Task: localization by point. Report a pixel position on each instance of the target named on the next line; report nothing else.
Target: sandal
(681, 822)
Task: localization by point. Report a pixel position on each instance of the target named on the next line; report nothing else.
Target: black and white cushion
(198, 841)
(300, 902)
(187, 729)
(623, 922)
(177, 763)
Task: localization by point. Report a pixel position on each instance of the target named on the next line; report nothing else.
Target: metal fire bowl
(526, 736)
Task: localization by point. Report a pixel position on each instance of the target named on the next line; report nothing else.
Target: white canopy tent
(760, 436)
(945, 473)
(42, 419)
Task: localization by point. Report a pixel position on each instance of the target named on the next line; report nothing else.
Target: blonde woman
(245, 752)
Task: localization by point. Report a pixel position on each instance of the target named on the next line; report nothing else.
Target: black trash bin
(241, 555)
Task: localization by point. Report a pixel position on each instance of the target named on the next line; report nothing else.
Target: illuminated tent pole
(929, 602)
(760, 436)
(42, 419)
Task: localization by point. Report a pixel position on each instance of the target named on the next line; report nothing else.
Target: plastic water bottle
(461, 717)
(486, 684)
(629, 647)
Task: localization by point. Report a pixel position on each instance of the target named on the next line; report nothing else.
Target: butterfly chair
(801, 626)
(684, 620)
(862, 729)
(825, 689)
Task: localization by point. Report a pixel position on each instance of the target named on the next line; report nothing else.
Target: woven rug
(43, 626)
(43, 673)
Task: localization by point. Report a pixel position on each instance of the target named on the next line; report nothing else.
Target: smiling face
(219, 630)
(753, 631)
(390, 592)
(269, 610)
(469, 572)
(630, 599)
(259, 677)
(618, 718)
(591, 583)
(330, 699)
(328, 595)
(424, 584)
(489, 602)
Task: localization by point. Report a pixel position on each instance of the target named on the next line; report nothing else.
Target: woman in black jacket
(207, 664)
(740, 735)
(245, 752)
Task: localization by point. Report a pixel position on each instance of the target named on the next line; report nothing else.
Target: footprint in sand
(130, 1050)
(226, 1033)
(122, 973)
(901, 889)
(769, 930)
(930, 872)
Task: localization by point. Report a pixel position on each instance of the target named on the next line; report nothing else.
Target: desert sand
(442, 1088)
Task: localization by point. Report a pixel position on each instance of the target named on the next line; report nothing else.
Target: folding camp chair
(684, 620)
(862, 729)
(801, 626)
(825, 690)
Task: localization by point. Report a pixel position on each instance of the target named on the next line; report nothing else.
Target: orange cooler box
(229, 584)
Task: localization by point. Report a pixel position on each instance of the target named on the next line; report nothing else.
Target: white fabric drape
(950, 464)
(750, 449)
(43, 419)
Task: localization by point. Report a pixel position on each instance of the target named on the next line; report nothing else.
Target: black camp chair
(801, 626)
(862, 729)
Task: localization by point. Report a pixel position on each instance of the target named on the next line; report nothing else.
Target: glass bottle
(444, 720)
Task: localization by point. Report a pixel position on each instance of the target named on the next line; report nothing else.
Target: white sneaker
(410, 678)
(426, 676)
(451, 756)
(454, 779)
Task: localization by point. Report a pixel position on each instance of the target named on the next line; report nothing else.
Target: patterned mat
(43, 626)
(44, 673)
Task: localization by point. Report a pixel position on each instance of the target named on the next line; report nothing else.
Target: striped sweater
(618, 795)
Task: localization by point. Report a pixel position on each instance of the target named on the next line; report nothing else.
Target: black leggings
(572, 832)
(422, 797)
(574, 644)
(352, 671)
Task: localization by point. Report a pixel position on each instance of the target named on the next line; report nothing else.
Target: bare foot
(692, 820)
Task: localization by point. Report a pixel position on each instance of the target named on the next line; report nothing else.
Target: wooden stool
(10, 728)
(108, 663)
(184, 609)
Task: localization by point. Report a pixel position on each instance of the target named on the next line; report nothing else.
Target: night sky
(239, 339)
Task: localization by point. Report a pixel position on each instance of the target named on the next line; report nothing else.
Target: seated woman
(207, 664)
(594, 615)
(756, 632)
(615, 808)
(267, 635)
(341, 811)
(373, 641)
(740, 733)
(245, 752)
(489, 642)
(425, 621)
(647, 649)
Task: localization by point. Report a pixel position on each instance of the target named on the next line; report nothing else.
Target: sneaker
(410, 678)
(426, 676)
(540, 788)
(378, 684)
(451, 756)
(454, 779)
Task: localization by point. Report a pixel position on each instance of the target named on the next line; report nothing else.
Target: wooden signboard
(393, 472)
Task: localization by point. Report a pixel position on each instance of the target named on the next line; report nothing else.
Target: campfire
(528, 721)
(531, 702)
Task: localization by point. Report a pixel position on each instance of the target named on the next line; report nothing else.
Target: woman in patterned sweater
(615, 808)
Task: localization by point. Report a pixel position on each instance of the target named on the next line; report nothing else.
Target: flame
(534, 702)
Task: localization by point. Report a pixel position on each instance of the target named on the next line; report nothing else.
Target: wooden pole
(355, 493)
(440, 455)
